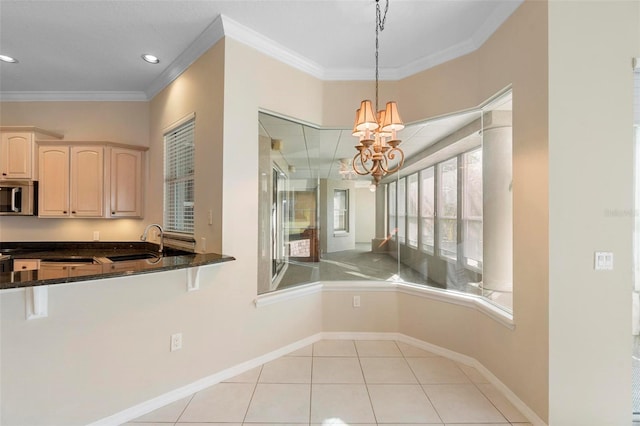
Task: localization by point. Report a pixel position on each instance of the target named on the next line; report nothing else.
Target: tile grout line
(486, 397)
(311, 386)
(185, 408)
(420, 384)
(366, 384)
(255, 387)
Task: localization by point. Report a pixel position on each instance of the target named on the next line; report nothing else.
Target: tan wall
(199, 90)
(125, 122)
(591, 171)
(516, 54)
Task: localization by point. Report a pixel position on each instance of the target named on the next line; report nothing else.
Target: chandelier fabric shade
(376, 129)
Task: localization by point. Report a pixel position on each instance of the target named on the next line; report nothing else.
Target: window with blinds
(179, 168)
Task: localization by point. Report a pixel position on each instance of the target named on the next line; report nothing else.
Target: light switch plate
(603, 261)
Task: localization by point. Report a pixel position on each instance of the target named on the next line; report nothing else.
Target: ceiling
(318, 153)
(91, 49)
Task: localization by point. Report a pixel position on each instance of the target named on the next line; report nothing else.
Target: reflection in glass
(472, 209)
(401, 209)
(427, 209)
(448, 208)
(412, 210)
(340, 210)
(444, 220)
(393, 217)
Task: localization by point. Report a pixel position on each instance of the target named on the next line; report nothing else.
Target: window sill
(470, 301)
(341, 234)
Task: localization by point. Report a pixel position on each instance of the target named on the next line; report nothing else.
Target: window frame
(176, 220)
(341, 212)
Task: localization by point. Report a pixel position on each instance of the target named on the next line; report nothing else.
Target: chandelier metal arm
(391, 154)
(363, 157)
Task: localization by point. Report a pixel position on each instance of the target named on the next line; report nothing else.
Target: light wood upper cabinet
(90, 179)
(53, 191)
(126, 184)
(71, 181)
(87, 181)
(18, 154)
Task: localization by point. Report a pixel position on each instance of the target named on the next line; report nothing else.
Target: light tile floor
(346, 382)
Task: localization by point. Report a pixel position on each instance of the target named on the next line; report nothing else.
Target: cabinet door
(16, 156)
(53, 190)
(87, 181)
(87, 269)
(26, 264)
(49, 272)
(126, 183)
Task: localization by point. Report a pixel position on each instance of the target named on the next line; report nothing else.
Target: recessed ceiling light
(150, 58)
(5, 58)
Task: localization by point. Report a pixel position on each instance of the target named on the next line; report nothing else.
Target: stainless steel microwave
(18, 198)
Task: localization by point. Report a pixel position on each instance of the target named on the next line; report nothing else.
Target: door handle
(14, 193)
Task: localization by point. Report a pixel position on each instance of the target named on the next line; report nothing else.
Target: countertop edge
(13, 284)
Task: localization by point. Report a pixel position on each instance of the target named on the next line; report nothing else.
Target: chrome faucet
(143, 237)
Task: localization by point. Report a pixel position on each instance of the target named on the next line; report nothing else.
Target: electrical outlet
(176, 342)
(603, 261)
(356, 301)
(96, 235)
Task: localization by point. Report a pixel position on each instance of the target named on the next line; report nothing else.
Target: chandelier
(376, 132)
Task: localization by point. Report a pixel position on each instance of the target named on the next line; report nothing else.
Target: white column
(497, 214)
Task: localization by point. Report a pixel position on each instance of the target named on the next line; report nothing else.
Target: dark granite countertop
(81, 261)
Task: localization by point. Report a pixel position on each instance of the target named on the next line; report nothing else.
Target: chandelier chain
(380, 21)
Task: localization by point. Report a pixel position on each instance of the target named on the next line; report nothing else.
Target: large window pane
(427, 209)
(472, 209)
(412, 210)
(341, 210)
(391, 200)
(402, 210)
(179, 179)
(448, 208)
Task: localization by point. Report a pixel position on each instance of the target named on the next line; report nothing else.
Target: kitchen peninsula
(46, 263)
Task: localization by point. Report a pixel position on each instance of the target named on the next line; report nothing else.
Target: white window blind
(179, 178)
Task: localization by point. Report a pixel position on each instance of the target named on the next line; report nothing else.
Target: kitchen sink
(69, 259)
(134, 256)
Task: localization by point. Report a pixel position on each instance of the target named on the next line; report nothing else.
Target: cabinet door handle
(64, 211)
(24, 267)
(113, 212)
(73, 212)
(4, 174)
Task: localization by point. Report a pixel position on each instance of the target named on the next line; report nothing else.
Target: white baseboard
(184, 391)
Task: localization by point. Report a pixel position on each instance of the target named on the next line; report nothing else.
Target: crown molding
(486, 30)
(223, 26)
(270, 47)
(52, 96)
(207, 38)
